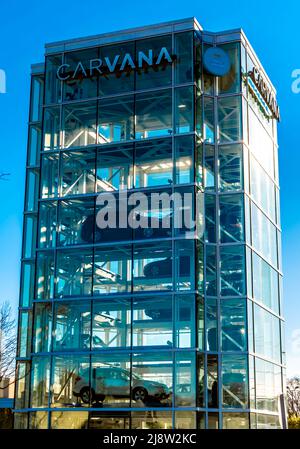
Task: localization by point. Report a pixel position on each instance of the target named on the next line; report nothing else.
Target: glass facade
(157, 327)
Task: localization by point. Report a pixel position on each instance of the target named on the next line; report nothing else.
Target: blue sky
(272, 31)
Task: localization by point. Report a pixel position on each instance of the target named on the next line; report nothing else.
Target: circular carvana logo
(216, 61)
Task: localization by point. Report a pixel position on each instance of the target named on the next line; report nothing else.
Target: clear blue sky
(26, 26)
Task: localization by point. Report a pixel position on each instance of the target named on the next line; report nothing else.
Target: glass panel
(47, 224)
(111, 324)
(49, 176)
(233, 325)
(115, 119)
(110, 381)
(185, 265)
(32, 186)
(69, 420)
(29, 243)
(51, 130)
(153, 163)
(45, 275)
(185, 382)
(40, 379)
(231, 218)
(25, 320)
(20, 420)
(210, 218)
(184, 150)
(73, 273)
(154, 420)
(263, 189)
(112, 270)
(231, 82)
(115, 77)
(152, 376)
(114, 168)
(109, 420)
(184, 117)
(153, 114)
(36, 98)
(160, 74)
(267, 334)
(268, 421)
(27, 286)
(229, 119)
(211, 271)
(34, 145)
(201, 400)
(208, 78)
(209, 120)
(261, 144)
(264, 235)
(152, 267)
(232, 271)
(185, 420)
(268, 385)
(235, 381)
(52, 83)
(42, 329)
(184, 321)
(79, 124)
(212, 381)
(81, 82)
(211, 325)
(70, 374)
(184, 57)
(152, 321)
(265, 283)
(75, 223)
(230, 167)
(209, 167)
(72, 326)
(235, 420)
(77, 172)
(38, 420)
(22, 385)
(213, 421)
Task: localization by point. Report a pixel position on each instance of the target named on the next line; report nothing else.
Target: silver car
(114, 381)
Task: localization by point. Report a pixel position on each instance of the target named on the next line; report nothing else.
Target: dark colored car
(163, 267)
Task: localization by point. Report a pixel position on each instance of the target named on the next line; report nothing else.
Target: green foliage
(294, 422)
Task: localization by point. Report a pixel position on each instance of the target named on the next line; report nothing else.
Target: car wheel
(87, 395)
(139, 394)
(154, 271)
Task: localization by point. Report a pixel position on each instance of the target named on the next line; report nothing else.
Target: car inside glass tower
(156, 326)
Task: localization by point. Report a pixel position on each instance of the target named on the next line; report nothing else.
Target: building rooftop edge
(120, 35)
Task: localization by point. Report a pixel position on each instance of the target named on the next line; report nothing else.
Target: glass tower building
(151, 327)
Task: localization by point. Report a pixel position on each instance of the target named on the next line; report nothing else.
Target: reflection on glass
(184, 117)
(74, 273)
(111, 323)
(232, 271)
(152, 322)
(77, 172)
(233, 325)
(115, 119)
(72, 326)
(114, 168)
(72, 222)
(229, 119)
(112, 270)
(185, 385)
(79, 124)
(153, 114)
(231, 218)
(39, 394)
(211, 325)
(235, 381)
(230, 167)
